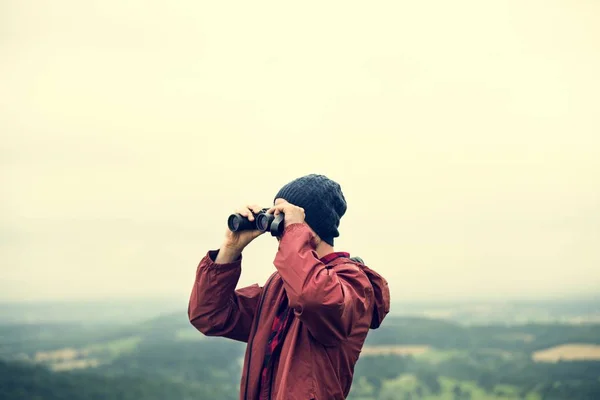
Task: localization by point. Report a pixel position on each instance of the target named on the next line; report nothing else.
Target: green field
(407, 358)
(116, 347)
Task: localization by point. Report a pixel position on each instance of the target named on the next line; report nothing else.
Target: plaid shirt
(278, 330)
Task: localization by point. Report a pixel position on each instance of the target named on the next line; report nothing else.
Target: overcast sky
(465, 135)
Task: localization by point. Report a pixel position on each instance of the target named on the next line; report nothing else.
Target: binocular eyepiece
(263, 221)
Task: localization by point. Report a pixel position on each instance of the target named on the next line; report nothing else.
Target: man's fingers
(245, 212)
(251, 213)
(255, 208)
(281, 207)
(276, 210)
(248, 211)
(279, 201)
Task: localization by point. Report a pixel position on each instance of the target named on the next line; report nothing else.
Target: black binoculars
(263, 221)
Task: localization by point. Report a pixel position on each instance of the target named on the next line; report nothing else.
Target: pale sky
(465, 135)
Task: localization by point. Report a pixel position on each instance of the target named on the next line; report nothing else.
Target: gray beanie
(322, 200)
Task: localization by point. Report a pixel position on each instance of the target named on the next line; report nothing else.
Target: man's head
(322, 200)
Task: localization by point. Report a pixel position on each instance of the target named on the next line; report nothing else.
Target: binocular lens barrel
(262, 221)
(237, 222)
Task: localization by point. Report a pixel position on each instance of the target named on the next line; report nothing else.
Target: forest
(407, 358)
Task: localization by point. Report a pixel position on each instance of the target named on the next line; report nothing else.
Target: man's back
(327, 329)
(306, 326)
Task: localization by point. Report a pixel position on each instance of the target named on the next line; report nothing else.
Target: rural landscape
(460, 142)
(147, 351)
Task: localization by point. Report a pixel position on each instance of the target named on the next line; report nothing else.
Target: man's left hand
(292, 214)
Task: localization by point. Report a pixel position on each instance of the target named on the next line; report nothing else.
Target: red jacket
(335, 305)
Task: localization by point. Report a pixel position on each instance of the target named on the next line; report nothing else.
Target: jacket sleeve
(215, 307)
(329, 303)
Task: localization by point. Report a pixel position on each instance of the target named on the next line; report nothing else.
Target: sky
(465, 136)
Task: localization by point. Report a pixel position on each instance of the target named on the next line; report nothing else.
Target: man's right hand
(235, 242)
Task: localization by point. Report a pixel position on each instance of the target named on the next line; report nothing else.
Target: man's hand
(292, 214)
(235, 242)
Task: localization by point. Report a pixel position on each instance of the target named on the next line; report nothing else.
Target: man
(306, 326)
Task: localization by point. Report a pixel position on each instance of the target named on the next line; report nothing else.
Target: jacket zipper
(256, 318)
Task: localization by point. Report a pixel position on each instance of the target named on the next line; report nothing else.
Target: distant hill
(127, 311)
(113, 311)
(477, 312)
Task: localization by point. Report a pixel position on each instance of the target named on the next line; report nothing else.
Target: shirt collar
(332, 256)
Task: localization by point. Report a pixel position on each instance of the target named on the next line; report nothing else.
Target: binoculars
(263, 221)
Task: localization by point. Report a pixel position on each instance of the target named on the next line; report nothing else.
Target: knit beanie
(322, 200)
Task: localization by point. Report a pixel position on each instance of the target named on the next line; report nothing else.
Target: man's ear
(316, 240)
